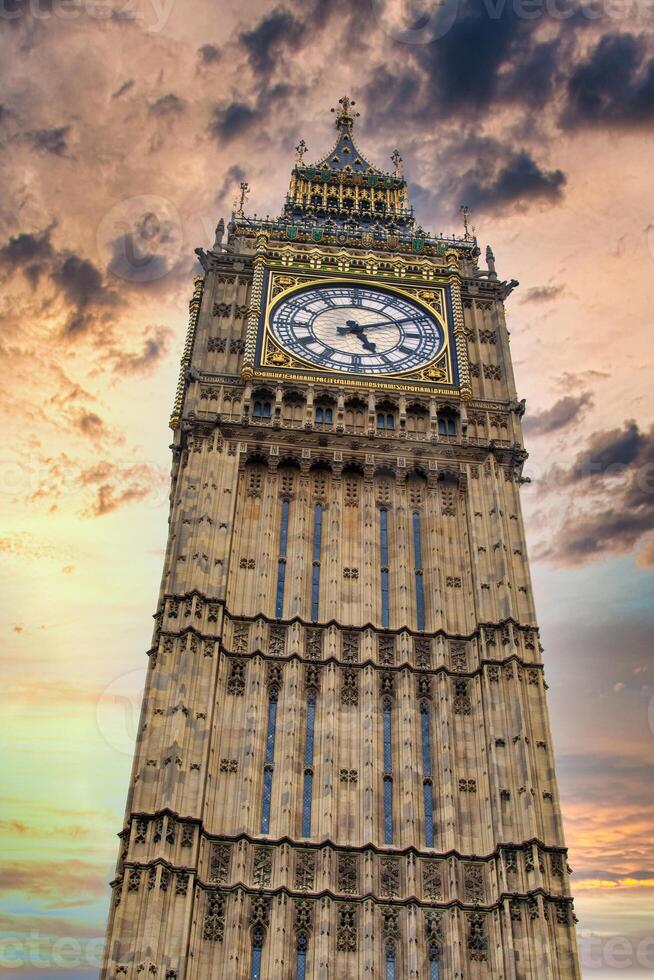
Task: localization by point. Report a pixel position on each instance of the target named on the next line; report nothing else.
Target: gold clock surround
(273, 361)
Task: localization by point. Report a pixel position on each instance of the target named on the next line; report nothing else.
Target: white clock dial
(356, 329)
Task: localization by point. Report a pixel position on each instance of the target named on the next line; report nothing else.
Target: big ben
(344, 765)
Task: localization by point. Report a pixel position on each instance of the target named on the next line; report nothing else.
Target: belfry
(344, 766)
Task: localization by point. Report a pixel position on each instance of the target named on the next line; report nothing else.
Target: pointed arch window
(387, 708)
(269, 763)
(427, 784)
(315, 572)
(417, 560)
(390, 959)
(383, 547)
(258, 938)
(307, 794)
(324, 413)
(281, 561)
(262, 409)
(301, 956)
(446, 425)
(434, 962)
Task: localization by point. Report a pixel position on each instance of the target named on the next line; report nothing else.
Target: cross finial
(245, 190)
(345, 116)
(397, 161)
(301, 149)
(465, 211)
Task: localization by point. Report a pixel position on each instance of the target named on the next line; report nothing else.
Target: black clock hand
(388, 323)
(367, 344)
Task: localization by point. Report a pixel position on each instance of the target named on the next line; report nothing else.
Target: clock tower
(344, 765)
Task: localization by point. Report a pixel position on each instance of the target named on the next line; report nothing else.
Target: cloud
(208, 54)
(541, 294)
(80, 281)
(609, 452)
(167, 105)
(263, 43)
(27, 252)
(232, 120)
(155, 347)
(611, 509)
(116, 486)
(62, 884)
(614, 86)
(561, 415)
(517, 180)
(122, 89)
(54, 141)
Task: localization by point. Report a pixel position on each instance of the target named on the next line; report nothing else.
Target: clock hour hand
(358, 330)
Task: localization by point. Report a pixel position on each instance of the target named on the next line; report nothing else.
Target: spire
(345, 117)
(344, 189)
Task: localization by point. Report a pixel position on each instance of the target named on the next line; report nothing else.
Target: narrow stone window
(262, 410)
(390, 960)
(315, 580)
(281, 567)
(383, 541)
(258, 936)
(417, 559)
(270, 759)
(427, 785)
(301, 956)
(387, 705)
(307, 794)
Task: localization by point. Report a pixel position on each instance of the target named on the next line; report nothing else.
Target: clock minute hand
(388, 323)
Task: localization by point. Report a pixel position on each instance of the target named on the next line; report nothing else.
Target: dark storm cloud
(542, 294)
(232, 120)
(167, 105)
(609, 452)
(26, 250)
(53, 140)
(615, 474)
(533, 73)
(518, 179)
(208, 53)
(80, 281)
(463, 68)
(561, 415)
(278, 30)
(614, 86)
(230, 182)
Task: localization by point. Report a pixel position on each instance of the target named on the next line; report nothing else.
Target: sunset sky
(125, 129)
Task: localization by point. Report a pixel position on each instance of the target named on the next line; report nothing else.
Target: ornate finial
(245, 190)
(345, 116)
(301, 149)
(465, 211)
(490, 262)
(220, 233)
(397, 162)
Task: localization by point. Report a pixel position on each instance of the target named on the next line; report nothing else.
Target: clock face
(356, 329)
